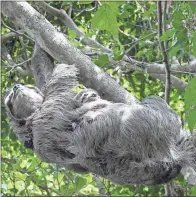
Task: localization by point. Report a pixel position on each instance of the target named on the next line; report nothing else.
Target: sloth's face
(22, 100)
(87, 95)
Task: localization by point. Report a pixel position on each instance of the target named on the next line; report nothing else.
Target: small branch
(6, 56)
(20, 64)
(161, 24)
(13, 30)
(87, 10)
(19, 32)
(128, 35)
(70, 10)
(8, 36)
(13, 65)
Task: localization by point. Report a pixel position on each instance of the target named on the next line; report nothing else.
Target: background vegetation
(128, 29)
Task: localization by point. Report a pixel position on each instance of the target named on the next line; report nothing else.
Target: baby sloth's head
(22, 100)
(87, 95)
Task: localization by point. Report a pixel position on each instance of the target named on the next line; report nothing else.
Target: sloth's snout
(16, 87)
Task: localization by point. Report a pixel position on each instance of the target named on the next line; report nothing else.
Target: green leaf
(194, 44)
(106, 18)
(192, 7)
(190, 103)
(80, 183)
(177, 22)
(193, 191)
(102, 60)
(190, 94)
(72, 34)
(174, 50)
(20, 176)
(182, 35)
(33, 165)
(60, 176)
(167, 34)
(192, 119)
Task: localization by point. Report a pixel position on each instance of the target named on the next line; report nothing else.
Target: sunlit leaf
(167, 34)
(106, 18)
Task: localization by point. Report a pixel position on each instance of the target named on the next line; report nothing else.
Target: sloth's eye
(85, 94)
(94, 95)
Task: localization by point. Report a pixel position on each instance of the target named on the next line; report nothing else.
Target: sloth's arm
(54, 120)
(63, 79)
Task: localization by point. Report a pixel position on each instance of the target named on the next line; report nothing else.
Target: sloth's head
(22, 100)
(87, 95)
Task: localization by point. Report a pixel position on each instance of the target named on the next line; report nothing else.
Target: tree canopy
(148, 48)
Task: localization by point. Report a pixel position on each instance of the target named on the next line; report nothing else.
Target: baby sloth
(87, 95)
(128, 144)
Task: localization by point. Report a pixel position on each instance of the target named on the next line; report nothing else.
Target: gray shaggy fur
(128, 144)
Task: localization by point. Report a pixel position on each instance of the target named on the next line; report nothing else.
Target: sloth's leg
(146, 172)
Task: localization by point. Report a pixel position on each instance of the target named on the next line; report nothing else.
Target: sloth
(127, 144)
(87, 95)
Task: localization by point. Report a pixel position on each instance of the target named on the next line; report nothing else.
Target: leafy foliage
(126, 28)
(190, 103)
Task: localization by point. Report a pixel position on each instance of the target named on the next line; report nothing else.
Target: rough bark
(56, 44)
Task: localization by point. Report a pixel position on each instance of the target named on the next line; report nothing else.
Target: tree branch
(10, 63)
(67, 21)
(56, 44)
(9, 36)
(156, 68)
(151, 67)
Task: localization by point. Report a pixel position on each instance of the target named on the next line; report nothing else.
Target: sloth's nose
(16, 87)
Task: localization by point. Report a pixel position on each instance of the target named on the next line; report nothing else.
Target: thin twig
(19, 32)
(161, 24)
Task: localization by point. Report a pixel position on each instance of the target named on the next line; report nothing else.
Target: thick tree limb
(56, 44)
(156, 68)
(152, 67)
